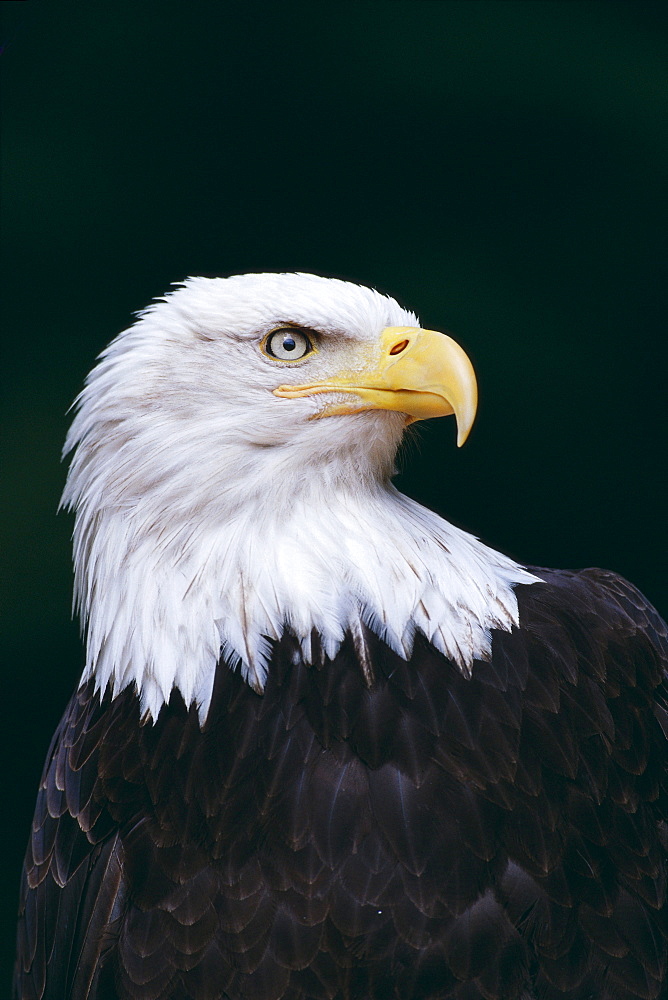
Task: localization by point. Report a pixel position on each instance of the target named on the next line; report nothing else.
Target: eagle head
(231, 478)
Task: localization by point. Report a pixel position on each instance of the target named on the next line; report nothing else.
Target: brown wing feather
(72, 874)
(430, 835)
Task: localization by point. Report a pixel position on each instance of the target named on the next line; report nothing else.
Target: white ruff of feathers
(212, 515)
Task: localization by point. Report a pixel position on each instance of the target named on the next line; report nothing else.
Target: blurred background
(499, 167)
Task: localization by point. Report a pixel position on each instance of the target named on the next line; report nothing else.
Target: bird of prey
(326, 745)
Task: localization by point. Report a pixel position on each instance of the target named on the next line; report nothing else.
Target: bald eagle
(327, 745)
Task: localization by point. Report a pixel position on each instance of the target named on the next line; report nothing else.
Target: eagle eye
(287, 344)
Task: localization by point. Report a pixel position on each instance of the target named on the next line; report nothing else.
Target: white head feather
(211, 514)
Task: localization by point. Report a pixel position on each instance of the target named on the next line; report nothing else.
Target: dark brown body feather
(424, 836)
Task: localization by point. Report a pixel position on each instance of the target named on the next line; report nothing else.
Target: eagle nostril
(398, 348)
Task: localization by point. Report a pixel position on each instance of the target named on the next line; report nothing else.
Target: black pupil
(289, 344)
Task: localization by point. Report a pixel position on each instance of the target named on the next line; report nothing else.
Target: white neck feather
(162, 603)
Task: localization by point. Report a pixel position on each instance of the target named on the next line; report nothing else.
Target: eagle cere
(325, 743)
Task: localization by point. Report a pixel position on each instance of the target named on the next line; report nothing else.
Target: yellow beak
(421, 373)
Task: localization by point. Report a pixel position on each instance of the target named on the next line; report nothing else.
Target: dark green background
(500, 167)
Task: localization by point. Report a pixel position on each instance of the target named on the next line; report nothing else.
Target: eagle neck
(163, 605)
